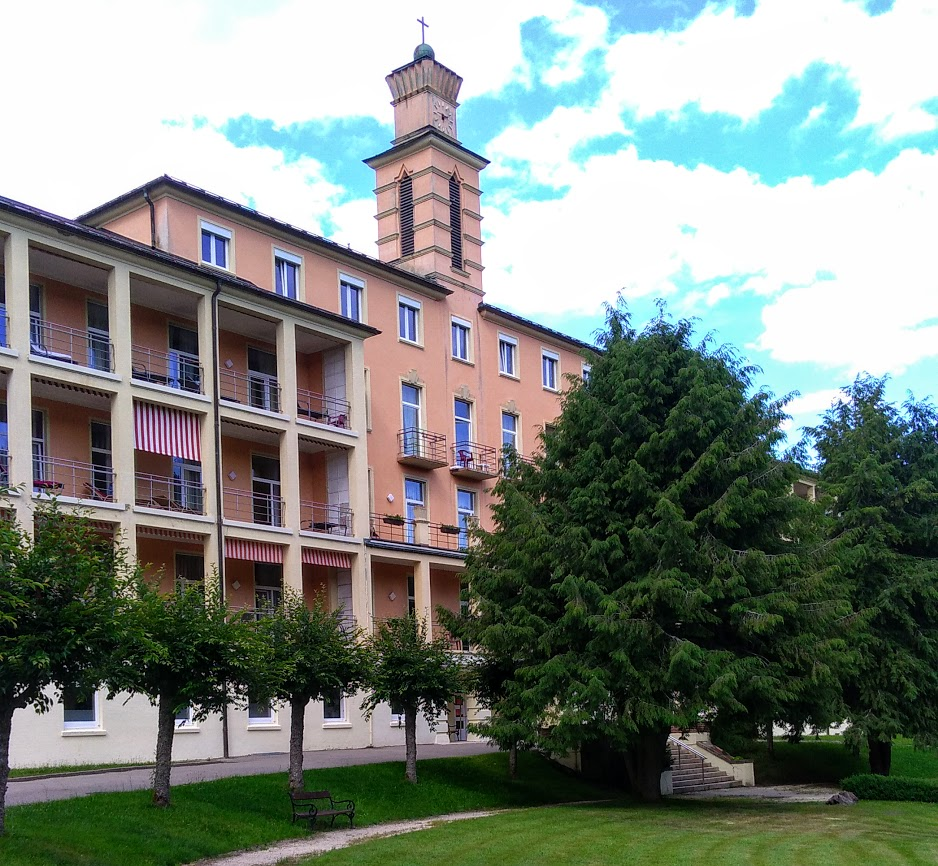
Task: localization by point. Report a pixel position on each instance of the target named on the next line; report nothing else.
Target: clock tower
(427, 184)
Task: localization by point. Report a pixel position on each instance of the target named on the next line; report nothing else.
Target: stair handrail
(683, 744)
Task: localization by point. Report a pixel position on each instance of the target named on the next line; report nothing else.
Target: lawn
(212, 818)
(714, 833)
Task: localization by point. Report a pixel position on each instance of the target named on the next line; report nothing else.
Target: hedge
(870, 787)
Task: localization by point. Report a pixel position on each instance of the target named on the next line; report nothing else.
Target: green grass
(213, 818)
(52, 769)
(714, 833)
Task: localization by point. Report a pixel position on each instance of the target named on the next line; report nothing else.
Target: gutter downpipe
(149, 201)
(219, 493)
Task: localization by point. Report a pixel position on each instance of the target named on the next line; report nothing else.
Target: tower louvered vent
(455, 221)
(407, 216)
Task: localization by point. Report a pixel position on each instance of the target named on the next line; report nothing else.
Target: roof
(116, 241)
(515, 319)
(249, 213)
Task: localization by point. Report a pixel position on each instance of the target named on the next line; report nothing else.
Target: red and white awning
(160, 430)
(312, 556)
(253, 551)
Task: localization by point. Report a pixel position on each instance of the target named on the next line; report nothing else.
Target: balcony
(169, 494)
(447, 536)
(4, 468)
(73, 478)
(421, 448)
(471, 460)
(392, 527)
(4, 327)
(322, 517)
(510, 460)
(257, 390)
(71, 345)
(172, 369)
(263, 509)
(325, 410)
(455, 644)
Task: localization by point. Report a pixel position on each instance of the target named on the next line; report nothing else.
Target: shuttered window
(455, 221)
(407, 216)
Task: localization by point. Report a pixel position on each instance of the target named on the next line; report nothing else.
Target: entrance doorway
(458, 730)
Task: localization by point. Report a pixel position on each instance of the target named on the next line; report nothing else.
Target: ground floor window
(261, 713)
(333, 706)
(80, 709)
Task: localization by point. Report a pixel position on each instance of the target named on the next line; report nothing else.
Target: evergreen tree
(879, 471)
(648, 564)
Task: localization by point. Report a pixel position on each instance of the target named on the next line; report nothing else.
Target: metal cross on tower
(423, 29)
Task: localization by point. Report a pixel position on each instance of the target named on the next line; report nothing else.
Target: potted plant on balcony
(393, 519)
(449, 529)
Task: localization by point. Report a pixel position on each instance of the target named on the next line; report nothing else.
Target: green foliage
(879, 470)
(870, 786)
(652, 563)
(411, 669)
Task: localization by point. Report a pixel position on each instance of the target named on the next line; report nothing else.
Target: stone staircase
(691, 772)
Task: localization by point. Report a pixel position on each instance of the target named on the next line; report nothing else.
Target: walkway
(39, 789)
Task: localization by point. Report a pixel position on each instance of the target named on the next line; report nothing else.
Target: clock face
(444, 117)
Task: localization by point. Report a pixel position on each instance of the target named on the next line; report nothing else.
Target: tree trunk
(6, 724)
(165, 728)
(410, 739)
(880, 756)
(645, 761)
(297, 726)
(513, 761)
(770, 738)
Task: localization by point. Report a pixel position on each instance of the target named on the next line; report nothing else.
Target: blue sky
(767, 166)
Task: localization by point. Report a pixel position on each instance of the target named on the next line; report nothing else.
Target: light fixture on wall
(232, 475)
(390, 497)
(391, 595)
(236, 585)
(229, 363)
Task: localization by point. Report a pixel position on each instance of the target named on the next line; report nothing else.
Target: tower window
(407, 215)
(455, 221)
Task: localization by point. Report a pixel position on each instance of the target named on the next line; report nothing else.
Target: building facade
(244, 401)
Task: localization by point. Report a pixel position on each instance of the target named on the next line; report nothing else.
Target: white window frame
(184, 720)
(404, 324)
(267, 721)
(515, 434)
(586, 371)
(93, 724)
(343, 712)
(512, 342)
(206, 227)
(348, 286)
(550, 361)
(282, 259)
(465, 516)
(466, 327)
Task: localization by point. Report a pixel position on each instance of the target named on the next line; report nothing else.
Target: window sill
(509, 376)
(336, 725)
(84, 732)
(407, 342)
(263, 726)
(187, 729)
(551, 390)
(465, 361)
(216, 267)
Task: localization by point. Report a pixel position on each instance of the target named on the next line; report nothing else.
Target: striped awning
(253, 551)
(312, 556)
(170, 535)
(160, 430)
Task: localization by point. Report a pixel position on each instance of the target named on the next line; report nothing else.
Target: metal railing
(392, 527)
(4, 327)
(265, 509)
(475, 457)
(257, 390)
(455, 644)
(447, 536)
(322, 517)
(173, 369)
(319, 407)
(73, 478)
(422, 445)
(169, 494)
(510, 459)
(71, 345)
(4, 468)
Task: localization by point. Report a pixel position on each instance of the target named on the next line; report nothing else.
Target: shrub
(870, 787)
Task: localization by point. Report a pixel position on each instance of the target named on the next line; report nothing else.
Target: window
(42, 471)
(3, 311)
(190, 572)
(265, 489)
(408, 320)
(215, 244)
(333, 706)
(507, 355)
(410, 416)
(184, 370)
(509, 438)
(465, 515)
(397, 714)
(411, 598)
(406, 196)
(455, 221)
(586, 372)
(350, 297)
(549, 364)
(286, 274)
(263, 387)
(460, 330)
(268, 586)
(102, 474)
(4, 447)
(187, 485)
(260, 713)
(415, 493)
(81, 709)
(184, 718)
(462, 412)
(35, 317)
(99, 344)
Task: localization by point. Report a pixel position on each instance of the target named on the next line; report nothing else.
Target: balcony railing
(71, 345)
(473, 460)
(392, 527)
(447, 536)
(169, 494)
(265, 509)
(417, 447)
(4, 327)
(4, 468)
(322, 517)
(173, 369)
(257, 390)
(511, 459)
(73, 478)
(319, 407)
(455, 644)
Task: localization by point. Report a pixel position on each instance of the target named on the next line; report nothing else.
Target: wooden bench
(305, 807)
